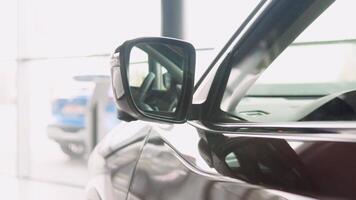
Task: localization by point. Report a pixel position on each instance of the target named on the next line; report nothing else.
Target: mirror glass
(155, 74)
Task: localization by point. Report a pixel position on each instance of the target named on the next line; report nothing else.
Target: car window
(313, 79)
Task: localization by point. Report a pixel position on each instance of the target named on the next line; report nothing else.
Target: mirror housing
(153, 79)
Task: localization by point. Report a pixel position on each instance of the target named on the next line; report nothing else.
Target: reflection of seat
(332, 167)
(167, 80)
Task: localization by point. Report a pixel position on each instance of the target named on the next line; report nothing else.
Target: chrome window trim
(309, 124)
(308, 131)
(196, 169)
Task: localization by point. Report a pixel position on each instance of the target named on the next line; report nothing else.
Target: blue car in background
(69, 125)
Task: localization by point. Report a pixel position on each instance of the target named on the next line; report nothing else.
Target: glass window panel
(312, 80)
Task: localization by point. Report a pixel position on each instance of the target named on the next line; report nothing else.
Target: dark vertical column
(172, 18)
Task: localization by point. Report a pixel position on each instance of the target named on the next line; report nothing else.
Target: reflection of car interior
(339, 106)
(163, 80)
(293, 89)
(312, 168)
(334, 107)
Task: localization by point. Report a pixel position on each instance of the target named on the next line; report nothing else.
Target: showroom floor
(15, 189)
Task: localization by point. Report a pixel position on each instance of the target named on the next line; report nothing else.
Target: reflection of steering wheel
(142, 93)
(169, 101)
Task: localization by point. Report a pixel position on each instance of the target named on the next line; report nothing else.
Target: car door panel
(164, 173)
(113, 161)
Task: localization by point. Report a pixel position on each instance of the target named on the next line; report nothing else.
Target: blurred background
(55, 99)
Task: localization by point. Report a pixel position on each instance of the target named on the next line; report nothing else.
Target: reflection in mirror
(155, 76)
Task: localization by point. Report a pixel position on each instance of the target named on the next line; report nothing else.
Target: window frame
(213, 118)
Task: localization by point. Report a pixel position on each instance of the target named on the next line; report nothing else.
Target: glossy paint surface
(246, 168)
(240, 167)
(163, 173)
(113, 161)
(156, 163)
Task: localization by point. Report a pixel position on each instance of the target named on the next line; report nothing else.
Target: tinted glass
(312, 80)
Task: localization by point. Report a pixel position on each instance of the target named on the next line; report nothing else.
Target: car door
(284, 103)
(249, 140)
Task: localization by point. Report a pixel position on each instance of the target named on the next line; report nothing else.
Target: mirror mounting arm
(124, 116)
(194, 112)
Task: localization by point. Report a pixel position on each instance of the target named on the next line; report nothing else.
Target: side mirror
(153, 79)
